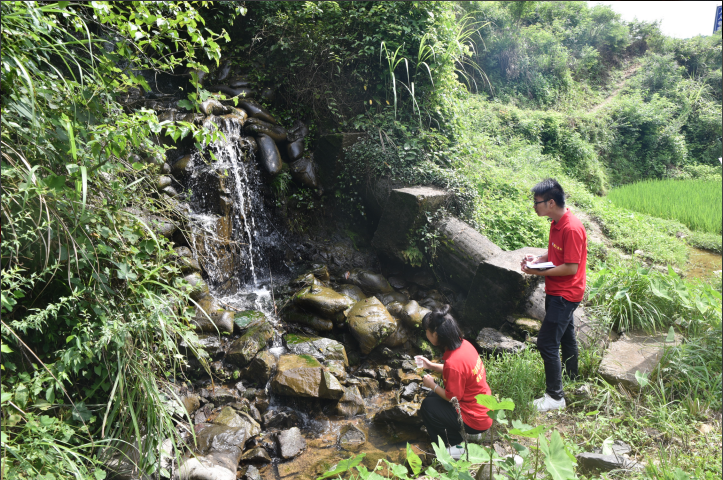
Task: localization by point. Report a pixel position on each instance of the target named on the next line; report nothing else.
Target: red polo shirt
(465, 377)
(568, 244)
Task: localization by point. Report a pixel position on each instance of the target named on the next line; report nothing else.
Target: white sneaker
(456, 451)
(547, 403)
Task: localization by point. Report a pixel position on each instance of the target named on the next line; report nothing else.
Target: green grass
(696, 203)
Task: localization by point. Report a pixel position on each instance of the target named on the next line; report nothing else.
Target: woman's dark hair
(448, 332)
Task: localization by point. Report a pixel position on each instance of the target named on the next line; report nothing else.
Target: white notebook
(540, 266)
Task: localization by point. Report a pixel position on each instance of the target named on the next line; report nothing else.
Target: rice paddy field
(695, 203)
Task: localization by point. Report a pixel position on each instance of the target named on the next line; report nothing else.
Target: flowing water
(702, 264)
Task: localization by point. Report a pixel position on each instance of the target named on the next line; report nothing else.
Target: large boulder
(322, 349)
(370, 323)
(352, 291)
(593, 463)
(401, 335)
(303, 376)
(261, 367)
(245, 348)
(269, 154)
(490, 341)
(315, 322)
(460, 250)
(205, 468)
(231, 418)
(370, 282)
(304, 171)
(412, 314)
(633, 352)
(322, 300)
(210, 318)
(498, 289)
(405, 412)
(405, 212)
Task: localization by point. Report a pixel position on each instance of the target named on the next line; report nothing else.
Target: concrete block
(498, 289)
(405, 211)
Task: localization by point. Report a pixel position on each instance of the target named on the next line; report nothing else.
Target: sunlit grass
(696, 203)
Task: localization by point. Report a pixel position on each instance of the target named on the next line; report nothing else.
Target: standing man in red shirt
(564, 289)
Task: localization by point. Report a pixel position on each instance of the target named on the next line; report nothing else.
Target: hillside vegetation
(482, 98)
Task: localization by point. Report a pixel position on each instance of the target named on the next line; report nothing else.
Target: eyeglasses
(541, 201)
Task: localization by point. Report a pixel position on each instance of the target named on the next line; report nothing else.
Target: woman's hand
(428, 381)
(425, 363)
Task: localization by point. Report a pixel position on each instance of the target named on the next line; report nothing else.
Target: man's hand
(528, 259)
(558, 271)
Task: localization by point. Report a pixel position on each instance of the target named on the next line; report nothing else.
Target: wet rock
(182, 166)
(269, 154)
(239, 81)
(397, 282)
(189, 265)
(221, 438)
(166, 169)
(350, 436)
(636, 351)
(368, 387)
(261, 367)
(277, 133)
(303, 376)
(199, 287)
(304, 171)
(245, 348)
(370, 323)
(204, 468)
(618, 447)
(282, 418)
(210, 319)
(404, 212)
(369, 282)
(223, 71)
(591, 463)
(462, 250)
(322, 300)
(309, 319)
(257, 454)
(268, 94)
(387, 298)
(221, 395)
(191, 403)
(250, 472)
(320, 271)
(406, 412)
(388, 384)
(410, 391)
(336, 368)
(351, 403)
(405, 378)
(248, 319)
(163, 181)
(248, 143)
(412, 314)
(256, 111)
(491, 341)
(232, 91)
(291, 443)
(320, 348)
(499, 289)
(295, 149)
(169, 191)
(261, 400)
(231, 418)
(352, 291)
(211, 106)
(366, 372)
(298, 131)
(385, 371)
(400, 335)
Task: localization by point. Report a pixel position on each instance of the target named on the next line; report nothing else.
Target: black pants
(558, 330)
(440, 418)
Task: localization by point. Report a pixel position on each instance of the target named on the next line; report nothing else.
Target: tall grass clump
(520, 377)
(695, 203)
(93, 307)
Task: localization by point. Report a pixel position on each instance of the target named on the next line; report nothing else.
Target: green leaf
(21, 395)
(679, 474)
(642, 378)
(557, 462)
(491, 402)
(414, 461)
(607, 446)
(5, 397)
(81, 412)
(397, 470)
(498, 416)
(670, 338)
(530, 432)
(137, 166)
(5, 349)
(521, 449)
(50, 394)
(477, 453)
(443, 456)
(594, 412)
(343, 466)
(125, 273)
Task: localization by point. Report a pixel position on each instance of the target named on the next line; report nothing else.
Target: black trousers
(558, 330)
(440, 418)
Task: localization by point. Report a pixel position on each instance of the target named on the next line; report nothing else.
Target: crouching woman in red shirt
(464, 377)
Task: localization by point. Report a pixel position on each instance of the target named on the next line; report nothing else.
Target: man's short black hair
(442, 322)
(549, 189)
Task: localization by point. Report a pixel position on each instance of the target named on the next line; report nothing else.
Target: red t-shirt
(465, 377)
(568, 244)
